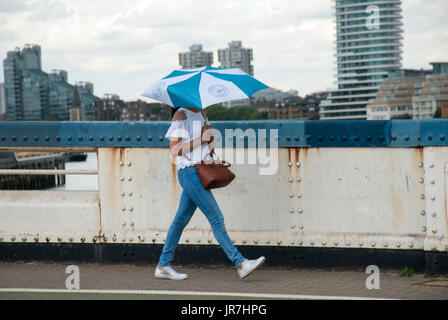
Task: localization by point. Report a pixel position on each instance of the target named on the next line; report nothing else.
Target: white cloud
(122, 46)
(426, 32)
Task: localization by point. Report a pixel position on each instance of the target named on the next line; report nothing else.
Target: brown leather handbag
(214, 174)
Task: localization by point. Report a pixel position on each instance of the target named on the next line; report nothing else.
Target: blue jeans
(193, 196)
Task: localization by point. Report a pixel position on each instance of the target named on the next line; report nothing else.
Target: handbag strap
(211, 153)
(188, 158)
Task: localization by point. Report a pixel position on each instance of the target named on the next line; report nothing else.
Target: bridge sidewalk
(222, 279)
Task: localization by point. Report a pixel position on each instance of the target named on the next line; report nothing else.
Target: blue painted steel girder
(399, 133)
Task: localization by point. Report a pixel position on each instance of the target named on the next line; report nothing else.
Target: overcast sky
(123, 46)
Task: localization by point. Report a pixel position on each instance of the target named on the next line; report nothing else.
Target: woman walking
(191, 141)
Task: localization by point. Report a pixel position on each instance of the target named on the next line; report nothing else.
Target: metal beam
(357, 133)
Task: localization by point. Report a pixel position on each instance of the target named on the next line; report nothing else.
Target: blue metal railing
(399, 133)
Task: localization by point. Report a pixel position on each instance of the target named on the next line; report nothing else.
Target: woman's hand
(207, 134)
(179, 148)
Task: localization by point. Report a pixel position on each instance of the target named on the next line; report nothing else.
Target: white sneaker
(169, 273)
(250, 265)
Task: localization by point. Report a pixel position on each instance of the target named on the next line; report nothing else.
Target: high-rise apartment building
(236, 56)
(2, 99)
(26, 85)
(60, 95)
(32, 94)
(195, 58)
(87, 99)
(368, 47)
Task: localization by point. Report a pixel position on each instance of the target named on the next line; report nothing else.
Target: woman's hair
(173, 111)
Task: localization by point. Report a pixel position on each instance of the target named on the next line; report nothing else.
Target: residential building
(32, 94)
(236, 56)
(141, 111)
(298, 108)
(368, 47)
(312, 103)
(2, 100)
(264, 106)
(26, 85)
(60, 95)
(195, 58)
(411, 94)
(394, 97)
(443, 102)
(109, 108)
(271, 94)
(87, 99)
(112, 108)
(440, 67)
(432, 93)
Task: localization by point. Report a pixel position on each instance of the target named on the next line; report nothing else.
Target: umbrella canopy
(203, 87)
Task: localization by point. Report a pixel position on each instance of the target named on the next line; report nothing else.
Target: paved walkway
(138, 282)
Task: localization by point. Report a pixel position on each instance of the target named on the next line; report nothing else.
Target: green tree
(241, 113)
(166, 117)
(156, 108)
(257, 115)
(218, 113)
(438, 113)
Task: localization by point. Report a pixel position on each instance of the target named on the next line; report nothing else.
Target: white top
(189, 129)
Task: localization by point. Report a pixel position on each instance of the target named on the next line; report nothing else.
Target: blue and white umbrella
(203, 87)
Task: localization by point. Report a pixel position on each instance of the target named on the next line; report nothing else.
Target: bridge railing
(338, 184)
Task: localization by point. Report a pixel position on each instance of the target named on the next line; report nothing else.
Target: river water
(81, 182)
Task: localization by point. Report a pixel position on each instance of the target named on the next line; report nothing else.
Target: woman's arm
(177, 148)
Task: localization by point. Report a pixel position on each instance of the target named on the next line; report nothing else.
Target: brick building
(306, 108)
(112, 108)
